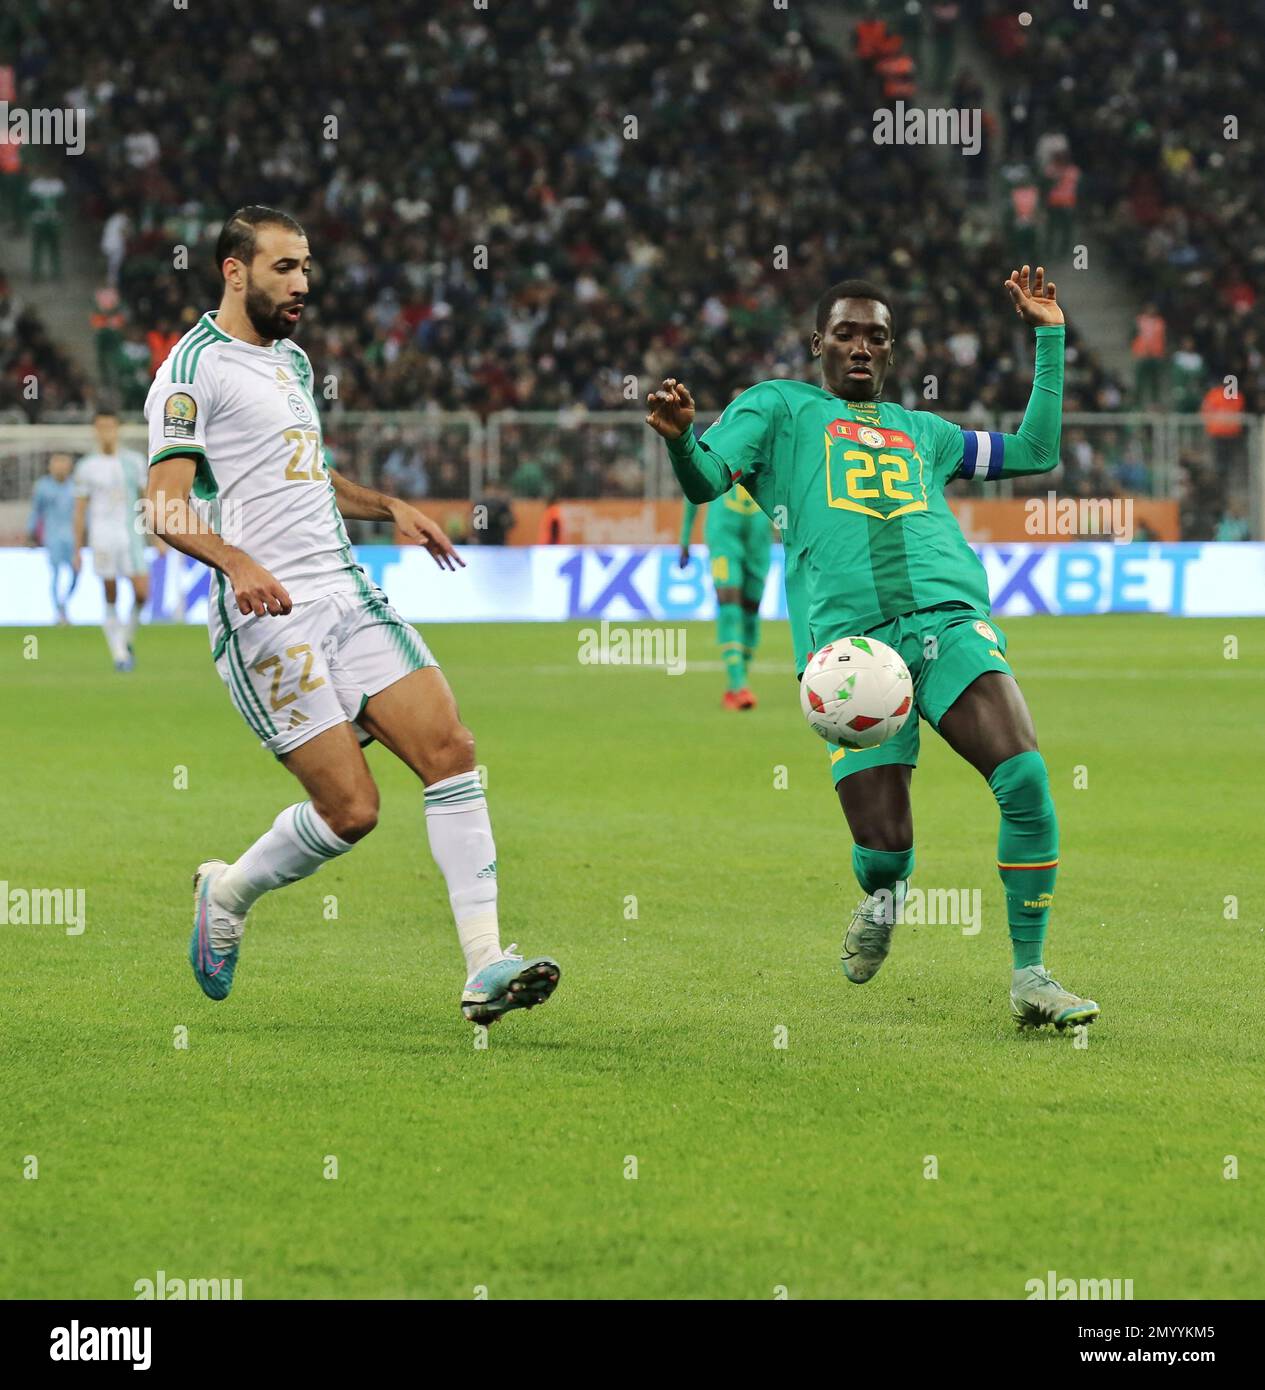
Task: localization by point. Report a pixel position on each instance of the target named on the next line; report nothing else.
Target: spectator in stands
(1187, 374)
(1062, 179)
(1023, 215)
(552, 530)
(1221, 410)
(944, 35)
(114, 245)
(13, 201)
(493, 515)
(1148, 349)
(108, 321)
(1233, 525)
(46, 194)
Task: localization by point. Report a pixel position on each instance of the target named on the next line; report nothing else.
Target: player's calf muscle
(878, 809)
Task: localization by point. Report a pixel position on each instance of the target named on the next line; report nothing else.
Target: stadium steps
(63, 305)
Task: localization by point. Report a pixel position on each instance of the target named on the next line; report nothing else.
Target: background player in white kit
(314, 657)
(108, 484)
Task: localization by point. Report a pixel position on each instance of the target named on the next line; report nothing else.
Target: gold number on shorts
(273, 664)
(300, 469)
(309, 656)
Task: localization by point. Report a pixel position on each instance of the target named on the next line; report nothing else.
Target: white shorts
(117, 557)
(292, 678)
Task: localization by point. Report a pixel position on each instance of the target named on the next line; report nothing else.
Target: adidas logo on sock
(489, 872)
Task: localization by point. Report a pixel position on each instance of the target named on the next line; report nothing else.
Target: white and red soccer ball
(856, 692)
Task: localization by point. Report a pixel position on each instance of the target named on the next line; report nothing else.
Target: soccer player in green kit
(873, 549)
(738, 542)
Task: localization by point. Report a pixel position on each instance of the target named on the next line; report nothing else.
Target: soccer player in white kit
(314, 657)
(108, 484)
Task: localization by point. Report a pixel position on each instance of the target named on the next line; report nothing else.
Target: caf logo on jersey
(180, 416)
(302, 412)
(873, 439)
(986, 632)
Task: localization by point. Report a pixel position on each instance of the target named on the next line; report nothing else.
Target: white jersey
(112, 483)
(248, 416)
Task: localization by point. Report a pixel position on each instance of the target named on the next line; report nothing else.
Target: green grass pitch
(758, 1168)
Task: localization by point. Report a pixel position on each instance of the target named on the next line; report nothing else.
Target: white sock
(129, 627)
(460, 834)
(114, 635)
(296, 846)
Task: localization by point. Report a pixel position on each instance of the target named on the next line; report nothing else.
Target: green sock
(729, 634)
(750, 634)
(1027, 852)
(881, 868)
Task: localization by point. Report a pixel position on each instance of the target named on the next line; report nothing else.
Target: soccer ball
(856, 692)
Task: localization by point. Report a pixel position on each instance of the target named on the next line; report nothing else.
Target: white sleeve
(81, 478)
(179, 404)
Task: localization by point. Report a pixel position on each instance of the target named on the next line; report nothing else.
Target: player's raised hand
(256, 591)
(671, 410)
(1033, 299)
(417, 528)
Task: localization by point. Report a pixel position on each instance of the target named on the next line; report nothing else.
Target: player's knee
(1021, 782)
(451, 753)
(353, 819)
(887, 837)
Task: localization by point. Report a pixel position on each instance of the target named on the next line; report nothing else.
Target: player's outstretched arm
(671, 414)
(171, 518)
(1034, 448)
(363, 504)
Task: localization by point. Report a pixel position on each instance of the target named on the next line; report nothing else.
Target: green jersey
(857, 490)
(728, 525)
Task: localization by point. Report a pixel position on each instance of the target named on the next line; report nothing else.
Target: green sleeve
(690, 511)
(986, 455)
(702, 476)
(733, 450)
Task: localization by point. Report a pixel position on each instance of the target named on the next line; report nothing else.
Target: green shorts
(741, 561)
(945, 648)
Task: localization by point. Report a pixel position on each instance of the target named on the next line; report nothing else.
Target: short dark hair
(851, 289)
(237, 236)
(105, 410)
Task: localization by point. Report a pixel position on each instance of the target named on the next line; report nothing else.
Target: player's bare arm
(1034, 300)
(171, 517)
(358, 503)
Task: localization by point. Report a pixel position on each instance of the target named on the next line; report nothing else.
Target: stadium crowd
(635, 198)
(608, 256)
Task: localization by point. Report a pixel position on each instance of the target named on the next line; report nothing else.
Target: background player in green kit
(872, 548)
(738, 539)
